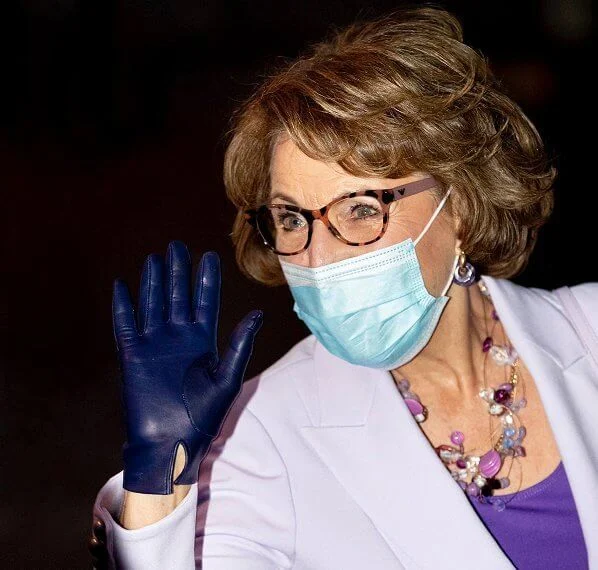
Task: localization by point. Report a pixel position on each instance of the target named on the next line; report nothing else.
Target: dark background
(112, 121)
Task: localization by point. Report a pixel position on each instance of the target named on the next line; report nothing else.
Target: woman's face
(312, 184)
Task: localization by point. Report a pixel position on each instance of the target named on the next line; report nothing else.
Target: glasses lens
(284, 230)
(359, 219)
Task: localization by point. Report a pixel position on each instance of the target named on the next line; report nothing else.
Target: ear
(457, 227)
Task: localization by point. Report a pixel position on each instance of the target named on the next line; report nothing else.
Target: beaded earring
(464, 272)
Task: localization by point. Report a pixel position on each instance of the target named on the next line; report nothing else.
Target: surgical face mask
(372, 310)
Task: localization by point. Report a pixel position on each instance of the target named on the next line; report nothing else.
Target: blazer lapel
(567, 381)
(408, 494)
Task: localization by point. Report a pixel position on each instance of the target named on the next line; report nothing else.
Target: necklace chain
(477, 474)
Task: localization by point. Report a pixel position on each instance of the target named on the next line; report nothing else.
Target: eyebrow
(283, 196)
(292, 200)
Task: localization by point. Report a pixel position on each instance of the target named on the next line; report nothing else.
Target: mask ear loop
(434, 215)
(423, 232)
(450, 279)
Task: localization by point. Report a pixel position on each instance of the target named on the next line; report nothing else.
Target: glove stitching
(171, 280)
(188, 408)
(147, 296)
(199, 307)
(116, 340)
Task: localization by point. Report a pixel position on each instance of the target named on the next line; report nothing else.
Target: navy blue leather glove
(176, 389)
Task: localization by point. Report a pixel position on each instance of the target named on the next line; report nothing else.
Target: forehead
(313, 183)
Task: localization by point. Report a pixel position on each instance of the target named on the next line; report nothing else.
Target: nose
(323, 248)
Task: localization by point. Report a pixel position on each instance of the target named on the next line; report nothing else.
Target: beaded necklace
(476, 474)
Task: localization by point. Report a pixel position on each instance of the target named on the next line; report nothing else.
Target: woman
(439, 416)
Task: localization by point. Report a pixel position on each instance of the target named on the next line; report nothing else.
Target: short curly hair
(391, 96)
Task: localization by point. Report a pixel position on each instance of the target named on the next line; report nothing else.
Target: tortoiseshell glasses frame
(384, 196)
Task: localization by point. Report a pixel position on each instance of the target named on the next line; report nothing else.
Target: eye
(363, 211)
(290, 221)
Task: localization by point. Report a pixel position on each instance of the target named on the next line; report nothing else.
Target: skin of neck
(451, 363)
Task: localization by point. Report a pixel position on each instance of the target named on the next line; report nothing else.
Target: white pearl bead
(479, 480)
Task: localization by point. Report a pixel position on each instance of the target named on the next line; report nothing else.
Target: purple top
(539, 528)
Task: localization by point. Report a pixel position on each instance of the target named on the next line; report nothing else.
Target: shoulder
(559, 320)
(543, 301)
(586, 295)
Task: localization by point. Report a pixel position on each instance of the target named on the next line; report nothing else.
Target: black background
(112, 123)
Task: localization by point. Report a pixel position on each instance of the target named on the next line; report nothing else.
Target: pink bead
(495, 315)
(507, 387)
(457, 437)
(487, 344)
(414, 406)
(490, 463)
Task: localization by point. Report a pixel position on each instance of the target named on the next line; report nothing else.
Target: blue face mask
(373, 309)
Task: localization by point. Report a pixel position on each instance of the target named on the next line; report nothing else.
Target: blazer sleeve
(166, 544)
(239, 516)
(245, 512)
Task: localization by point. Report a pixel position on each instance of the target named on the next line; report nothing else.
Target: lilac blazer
(319, 464)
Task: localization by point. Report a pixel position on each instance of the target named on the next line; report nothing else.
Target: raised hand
(176, 388)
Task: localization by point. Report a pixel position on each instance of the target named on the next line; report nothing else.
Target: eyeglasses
(357, 218)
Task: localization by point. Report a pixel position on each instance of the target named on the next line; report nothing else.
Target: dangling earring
(464, 272)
